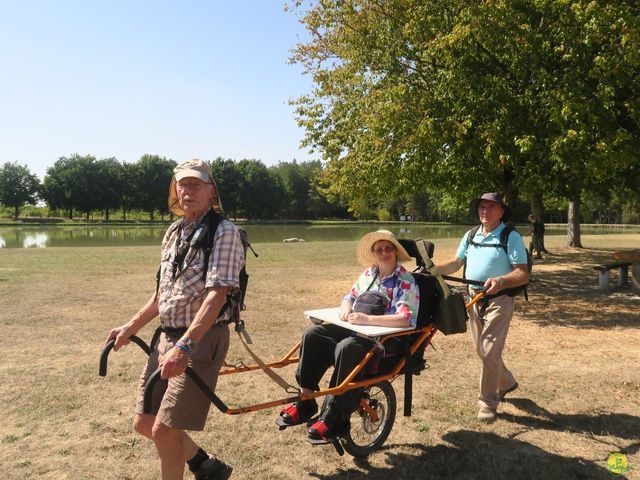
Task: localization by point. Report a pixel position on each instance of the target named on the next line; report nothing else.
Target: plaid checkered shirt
(180, 298)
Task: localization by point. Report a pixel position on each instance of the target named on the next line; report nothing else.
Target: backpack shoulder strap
(172, 228)
(504, 237)
(472, 233)
(214, 219)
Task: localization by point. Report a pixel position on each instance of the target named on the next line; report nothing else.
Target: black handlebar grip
(148, 391)
(141, 343)
(104, 356)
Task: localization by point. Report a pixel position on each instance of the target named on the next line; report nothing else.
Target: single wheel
(367, 434)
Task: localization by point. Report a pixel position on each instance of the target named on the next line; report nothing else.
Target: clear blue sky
(116, 78)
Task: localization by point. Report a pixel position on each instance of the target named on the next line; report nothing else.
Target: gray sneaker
(487, 415)
(213, 469)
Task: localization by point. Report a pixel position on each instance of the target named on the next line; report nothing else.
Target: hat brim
(365, 255)
(174, 202)
(187, 172)
(473, 208)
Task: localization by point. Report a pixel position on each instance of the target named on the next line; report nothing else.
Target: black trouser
(326, 345)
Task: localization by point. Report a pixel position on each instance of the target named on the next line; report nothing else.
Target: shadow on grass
(620, 425)
(475, 455)
(567, 293)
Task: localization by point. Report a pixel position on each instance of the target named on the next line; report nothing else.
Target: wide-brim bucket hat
(364, 250)
(192, 168)
(491, 197)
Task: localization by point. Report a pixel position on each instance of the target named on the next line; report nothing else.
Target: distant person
(193, 322)
(487, 261)
(330, 344)
(536, 230)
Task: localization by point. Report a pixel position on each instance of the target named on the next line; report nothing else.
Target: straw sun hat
(192, 168)
(364, 251)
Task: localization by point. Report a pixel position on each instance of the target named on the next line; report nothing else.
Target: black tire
(365, 436)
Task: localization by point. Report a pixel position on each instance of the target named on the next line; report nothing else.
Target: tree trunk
(510, 194)
(15, 216)
(106, 215)
(573, 224)
(537, 207)
(71, 214)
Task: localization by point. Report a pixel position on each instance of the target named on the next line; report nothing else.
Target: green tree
(296, 179)
(18, 186)
(518, 96)
(321, 202)
(154, 176)
(72, 183)
(130, 182)
(230, 183)
(261, 193)
(110, 189)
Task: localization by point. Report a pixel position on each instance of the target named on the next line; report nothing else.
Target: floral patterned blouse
(400, 287)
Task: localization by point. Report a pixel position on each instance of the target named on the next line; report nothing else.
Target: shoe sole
(487, 420)
(508, 391)
(283, 423)
(220, 473)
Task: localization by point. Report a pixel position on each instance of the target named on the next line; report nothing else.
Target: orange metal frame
(425, 335)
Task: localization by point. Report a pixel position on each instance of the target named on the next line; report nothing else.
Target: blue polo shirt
(487, 262)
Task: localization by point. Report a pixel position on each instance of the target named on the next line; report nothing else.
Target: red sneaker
(297, 413)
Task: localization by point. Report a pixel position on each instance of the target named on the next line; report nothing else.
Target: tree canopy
(18, 186)
(518, 96)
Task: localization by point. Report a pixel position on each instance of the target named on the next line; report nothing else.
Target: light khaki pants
(489, 328)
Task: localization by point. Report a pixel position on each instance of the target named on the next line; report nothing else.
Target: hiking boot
(213, 469)
(502, 393)
(487, 415)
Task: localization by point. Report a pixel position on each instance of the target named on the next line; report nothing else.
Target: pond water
(107, 236)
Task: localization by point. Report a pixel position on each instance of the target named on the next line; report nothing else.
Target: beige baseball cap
(192, 168)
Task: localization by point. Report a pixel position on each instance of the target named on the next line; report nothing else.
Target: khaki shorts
(178, 402)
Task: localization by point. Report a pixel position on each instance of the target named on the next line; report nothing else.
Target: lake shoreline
(102, 235)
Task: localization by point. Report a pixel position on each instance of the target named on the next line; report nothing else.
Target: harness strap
(273, 375)
(433, 270)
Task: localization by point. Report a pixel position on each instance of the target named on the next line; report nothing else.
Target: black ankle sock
(197, 460)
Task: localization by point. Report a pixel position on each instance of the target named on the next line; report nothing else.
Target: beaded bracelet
(183, 347)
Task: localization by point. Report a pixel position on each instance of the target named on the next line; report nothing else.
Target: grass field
(574, 350)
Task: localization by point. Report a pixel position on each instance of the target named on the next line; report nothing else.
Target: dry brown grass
(574, 350)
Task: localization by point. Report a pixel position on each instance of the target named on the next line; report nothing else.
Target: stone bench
(603, 274)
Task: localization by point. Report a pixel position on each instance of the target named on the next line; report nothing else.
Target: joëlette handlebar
(481, 293)
(155, 376)
(466, 281)
(109, 346)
